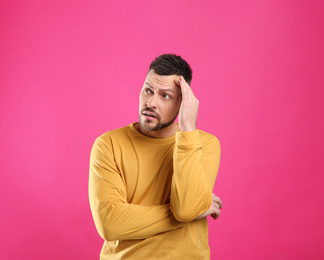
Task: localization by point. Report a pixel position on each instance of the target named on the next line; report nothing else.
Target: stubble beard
(159, 125)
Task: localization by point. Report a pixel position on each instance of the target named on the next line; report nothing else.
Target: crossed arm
(114, 217)
(195, 168)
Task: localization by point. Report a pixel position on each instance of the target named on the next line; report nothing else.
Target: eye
(166, 96)
(148, 91)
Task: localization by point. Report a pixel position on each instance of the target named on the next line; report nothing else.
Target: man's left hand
(214, 210)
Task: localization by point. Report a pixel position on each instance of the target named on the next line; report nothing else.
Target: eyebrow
(168, 90)
(163, 90)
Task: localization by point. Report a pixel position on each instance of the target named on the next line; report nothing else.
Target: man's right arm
(114, 217)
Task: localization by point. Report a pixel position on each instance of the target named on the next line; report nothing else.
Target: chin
(149, 126)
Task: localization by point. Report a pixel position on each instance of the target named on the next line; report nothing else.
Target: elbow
(187, 213)
(107, 227)
(109, 233)
(183, 215)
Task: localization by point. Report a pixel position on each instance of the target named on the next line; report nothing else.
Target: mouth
(149, 115)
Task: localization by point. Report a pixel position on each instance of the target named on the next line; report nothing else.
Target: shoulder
(112, 136)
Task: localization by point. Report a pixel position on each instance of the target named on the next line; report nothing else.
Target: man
(151, 182)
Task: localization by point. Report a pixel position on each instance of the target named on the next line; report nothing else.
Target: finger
(177, 82)
(220, 204)
(218, 200)
(216, 205)
(183, 87)
(187, 91)
(184, 84)
(216, 214)
(188, 97)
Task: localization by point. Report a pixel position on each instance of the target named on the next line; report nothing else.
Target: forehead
(156, 80)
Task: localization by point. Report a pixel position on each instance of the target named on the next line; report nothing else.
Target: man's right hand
(214, 210)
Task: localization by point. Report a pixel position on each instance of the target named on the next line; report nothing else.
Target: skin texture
(162, 99)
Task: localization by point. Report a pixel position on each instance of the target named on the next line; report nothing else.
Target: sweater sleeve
(115, 219)
(195, 168)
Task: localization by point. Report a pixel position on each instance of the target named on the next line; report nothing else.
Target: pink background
(71, 70)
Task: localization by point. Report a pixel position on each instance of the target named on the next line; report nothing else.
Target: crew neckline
(147, 139)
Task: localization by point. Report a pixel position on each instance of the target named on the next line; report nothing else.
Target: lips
(150, 115)
(146, 113)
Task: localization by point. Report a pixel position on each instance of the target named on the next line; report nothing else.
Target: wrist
(188, 128)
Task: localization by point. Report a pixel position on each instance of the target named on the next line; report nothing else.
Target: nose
(152, 102)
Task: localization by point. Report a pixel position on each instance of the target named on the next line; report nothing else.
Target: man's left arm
(195, 163)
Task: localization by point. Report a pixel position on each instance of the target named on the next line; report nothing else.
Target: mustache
(148, 109)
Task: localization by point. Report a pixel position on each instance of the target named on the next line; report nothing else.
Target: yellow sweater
(145, 193)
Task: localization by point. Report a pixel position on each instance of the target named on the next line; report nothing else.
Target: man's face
(160, 100)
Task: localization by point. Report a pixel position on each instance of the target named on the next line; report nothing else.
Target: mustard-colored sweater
(145, 193)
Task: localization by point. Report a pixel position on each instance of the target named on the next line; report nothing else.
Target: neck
(161, 133)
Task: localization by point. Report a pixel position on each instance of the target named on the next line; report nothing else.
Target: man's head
(160, 97)
(171, 64)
